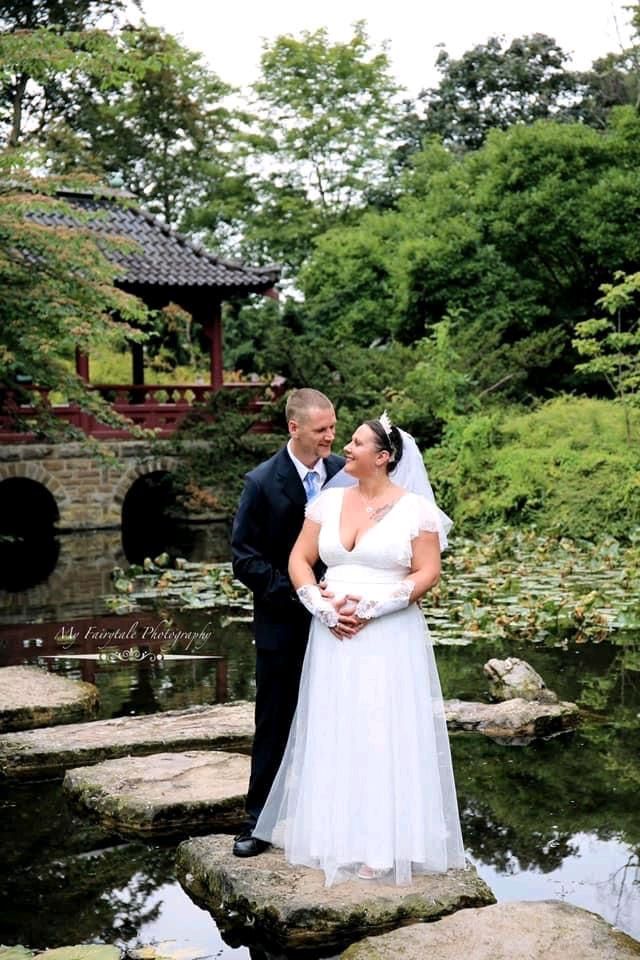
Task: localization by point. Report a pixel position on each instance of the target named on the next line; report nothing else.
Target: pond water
(553, 819)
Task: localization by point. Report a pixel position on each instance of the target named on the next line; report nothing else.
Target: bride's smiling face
(362, 453)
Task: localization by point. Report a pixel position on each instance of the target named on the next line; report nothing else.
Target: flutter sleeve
(425, 515)
(318, 508)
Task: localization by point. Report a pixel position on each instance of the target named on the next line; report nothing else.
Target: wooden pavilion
(161, 266)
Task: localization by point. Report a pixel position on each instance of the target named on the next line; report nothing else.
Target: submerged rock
(32, 697)
(166, 794)
(515, 679)
(547, 928)
(514, 720)
(37, 754)
(264, 898)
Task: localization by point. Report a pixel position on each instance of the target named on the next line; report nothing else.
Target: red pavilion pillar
(213, 329)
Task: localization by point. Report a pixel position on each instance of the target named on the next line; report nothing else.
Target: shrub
(565, 467)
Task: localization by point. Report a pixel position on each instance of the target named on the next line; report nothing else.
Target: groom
(269, 518)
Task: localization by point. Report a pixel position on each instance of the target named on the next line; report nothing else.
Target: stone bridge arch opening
(29, 546)
(149, 516)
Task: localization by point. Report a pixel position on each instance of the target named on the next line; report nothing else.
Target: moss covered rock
(266, 899)
(163, 795)
(37, 754)
(32, 697)
(549, 929)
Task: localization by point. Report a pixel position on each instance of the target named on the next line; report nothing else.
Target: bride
(366, 785)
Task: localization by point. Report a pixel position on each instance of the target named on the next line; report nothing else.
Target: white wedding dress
(366, 776)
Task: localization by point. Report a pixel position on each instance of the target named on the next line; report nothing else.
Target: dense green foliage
(450, 259)
(493, 87)
(159, 125)
(566, 467)
(510, 243)
(611, 345)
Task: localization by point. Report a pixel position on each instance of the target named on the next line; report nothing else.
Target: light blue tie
(312, 484)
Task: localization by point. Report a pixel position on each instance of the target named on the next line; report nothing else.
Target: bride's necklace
(373, 512)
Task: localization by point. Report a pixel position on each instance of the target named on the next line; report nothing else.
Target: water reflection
(26, 562)
(66, 577)
(555, 819)
(150, 525)
(222, 668)
(28, 545)
(598, 875)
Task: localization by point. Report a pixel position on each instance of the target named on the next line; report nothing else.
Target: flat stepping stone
(47, 753)
(546, 928)
(164, 795)
(32, 697)
(514, 720)
(267, 900)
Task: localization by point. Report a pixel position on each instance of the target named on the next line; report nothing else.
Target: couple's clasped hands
(349, 623)
(346, 616)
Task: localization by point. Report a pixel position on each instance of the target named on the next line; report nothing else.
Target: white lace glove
(398, 600)
(311, 598)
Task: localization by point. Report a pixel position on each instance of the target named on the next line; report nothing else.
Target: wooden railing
(157, 407)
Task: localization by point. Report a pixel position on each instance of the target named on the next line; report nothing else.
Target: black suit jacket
(266, 526)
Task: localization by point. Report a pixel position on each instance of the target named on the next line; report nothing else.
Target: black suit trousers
(277, 683)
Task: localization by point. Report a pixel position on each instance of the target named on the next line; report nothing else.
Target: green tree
(347, 285)
(41, 40)
(58, 292)
(320, 139)
(492, 86)
(509, 242)
(161, 128)
(611, 345)
(133, 105)
(434, 390)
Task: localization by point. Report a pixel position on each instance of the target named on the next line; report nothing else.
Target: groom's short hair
(300, 402)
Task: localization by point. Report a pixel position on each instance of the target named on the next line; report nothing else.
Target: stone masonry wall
(88, 490)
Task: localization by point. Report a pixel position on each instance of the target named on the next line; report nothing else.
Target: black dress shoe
(245, 845)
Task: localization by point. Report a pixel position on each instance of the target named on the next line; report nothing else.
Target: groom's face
(313, 434)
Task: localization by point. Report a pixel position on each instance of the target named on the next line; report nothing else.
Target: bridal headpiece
(385, 422)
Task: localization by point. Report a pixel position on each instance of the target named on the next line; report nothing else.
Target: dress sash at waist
(361, 573)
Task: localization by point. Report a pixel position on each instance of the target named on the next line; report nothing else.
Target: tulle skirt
(366, 776)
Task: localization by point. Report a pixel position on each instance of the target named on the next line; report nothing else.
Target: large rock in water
(33, 697)
(514, 721)
(164, 795)
(264, 898)
(513, 678)
(546, 929)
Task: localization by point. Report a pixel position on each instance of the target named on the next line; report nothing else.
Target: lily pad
(510, 584)
(84, 951)
(15, 953)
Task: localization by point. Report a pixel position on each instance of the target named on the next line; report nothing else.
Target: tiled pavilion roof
(162, 257)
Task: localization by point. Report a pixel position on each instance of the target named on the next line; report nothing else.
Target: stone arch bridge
(88, 489)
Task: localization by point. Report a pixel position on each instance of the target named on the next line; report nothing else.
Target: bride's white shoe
(368, 873)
